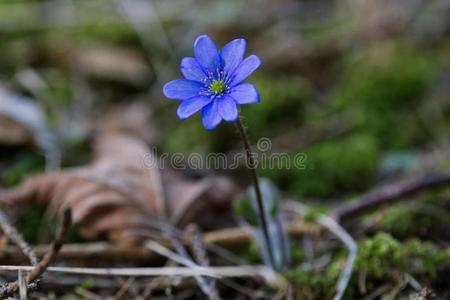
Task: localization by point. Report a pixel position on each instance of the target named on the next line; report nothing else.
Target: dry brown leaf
(116, 193)
(206, 202)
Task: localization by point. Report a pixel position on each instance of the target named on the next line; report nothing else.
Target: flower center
(217, 87)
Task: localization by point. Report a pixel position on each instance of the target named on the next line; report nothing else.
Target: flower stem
(254, 177)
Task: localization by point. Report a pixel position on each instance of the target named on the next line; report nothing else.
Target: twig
(378, 292)
(215, 241)
(390, 193)
(202, 282)
(160, 282)
(176, 237)
(124, 288)
(158, 248)
(197, 246)
(199, 252)
(272, 278)
(173, 231)
(17, 238)
(42, 266)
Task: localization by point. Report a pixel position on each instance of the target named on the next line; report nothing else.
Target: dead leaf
(117, 193)
(206, 202)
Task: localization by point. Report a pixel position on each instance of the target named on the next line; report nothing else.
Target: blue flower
(213, 82)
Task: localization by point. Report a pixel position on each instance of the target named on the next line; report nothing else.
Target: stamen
(217, 87)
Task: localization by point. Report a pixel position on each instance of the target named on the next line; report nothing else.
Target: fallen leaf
(119, 195)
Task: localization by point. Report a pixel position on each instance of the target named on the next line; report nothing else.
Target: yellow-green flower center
(217, 87)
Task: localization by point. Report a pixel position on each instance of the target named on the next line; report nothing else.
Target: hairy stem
(254, 177)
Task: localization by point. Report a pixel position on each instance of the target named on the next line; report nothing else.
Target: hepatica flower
(214, 82)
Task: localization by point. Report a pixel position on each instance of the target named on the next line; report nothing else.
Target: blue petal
(228, 109)
(206, 53)
(190, 106)
(191, 69)
(232, 55)
(246, 68)
(211, 116)
(181, 89)
(245, 93)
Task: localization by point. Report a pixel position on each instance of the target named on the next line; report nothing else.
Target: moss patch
(383, 88)
(332, 167)
(381, 259)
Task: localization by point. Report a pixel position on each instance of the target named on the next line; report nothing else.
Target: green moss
(332, 167)
(398, 220)
(383, 88)
(380, 255)
(427, 217)
(379, 258)
(281, 106)
(317, 284)
(383, 254)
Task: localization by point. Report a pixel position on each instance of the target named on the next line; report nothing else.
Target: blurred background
(362, 87)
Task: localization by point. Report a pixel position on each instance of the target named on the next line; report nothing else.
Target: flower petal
(245, 93)
(181, 89)
(228, 109)
(192, 105)
(211, 116)
(206, 53)
(246, 68)
(232, 55)
(191, 69)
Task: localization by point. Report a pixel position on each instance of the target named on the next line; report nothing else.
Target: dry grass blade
(270, 277)
(183, 257)
(23, 289)
(158, 248)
